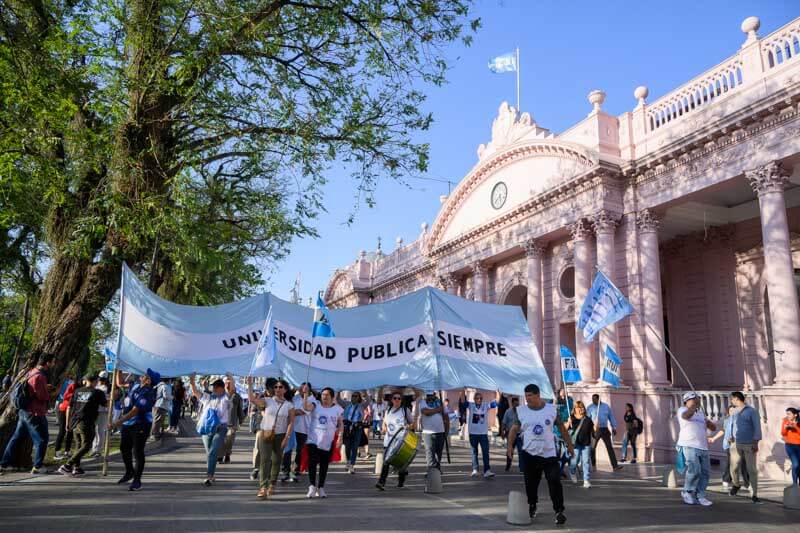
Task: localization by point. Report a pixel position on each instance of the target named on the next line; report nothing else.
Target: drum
(402, 449)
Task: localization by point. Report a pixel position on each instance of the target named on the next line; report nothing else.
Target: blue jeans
(518, 446)
(698, 468)
(628, 437)
(36, 427)
(351, 443)
(582, 454)
(483, 441)
(212, 444)
(793, 451)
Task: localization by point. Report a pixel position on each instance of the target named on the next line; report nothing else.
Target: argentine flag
(504, 63)
(604, 305)
(322, 320)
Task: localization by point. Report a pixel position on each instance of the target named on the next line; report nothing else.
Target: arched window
(566, 283)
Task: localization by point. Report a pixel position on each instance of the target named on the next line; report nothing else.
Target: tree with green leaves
(191, 138)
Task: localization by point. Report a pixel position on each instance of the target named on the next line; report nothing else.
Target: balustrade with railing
(715, 403)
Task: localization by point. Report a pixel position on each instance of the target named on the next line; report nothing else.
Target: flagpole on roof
(518, 66)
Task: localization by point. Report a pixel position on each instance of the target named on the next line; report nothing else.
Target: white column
(769, 182)
(605, 225)
(479, 282)
(534, 251)
(581, 233)
(651, 311)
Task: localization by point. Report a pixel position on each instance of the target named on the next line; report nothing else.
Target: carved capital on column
(455, 280)
(534, 248)
(646, 221)
(580, 230)
(478, 268)
(605, 221)
(772, 177)
(444, 281)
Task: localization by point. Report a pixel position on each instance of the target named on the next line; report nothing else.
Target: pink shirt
(41, 396)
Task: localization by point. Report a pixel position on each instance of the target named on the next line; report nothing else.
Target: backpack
(208, 424)
(22, 395)
(639, 426)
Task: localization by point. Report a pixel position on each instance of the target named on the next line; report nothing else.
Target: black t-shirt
(85, 403)
(584, 436)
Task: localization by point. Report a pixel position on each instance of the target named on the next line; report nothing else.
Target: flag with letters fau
(569, 366)
(322, 320)
(604, 305)
(611, 367)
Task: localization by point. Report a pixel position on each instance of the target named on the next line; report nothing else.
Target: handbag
(575, 432)
(269, 434)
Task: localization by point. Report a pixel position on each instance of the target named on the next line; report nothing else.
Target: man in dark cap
(81, 417)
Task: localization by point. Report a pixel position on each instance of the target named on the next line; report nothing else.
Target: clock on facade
(499, 195)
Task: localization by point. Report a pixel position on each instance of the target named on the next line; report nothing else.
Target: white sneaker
(475, 473)
(704, 502)
(312, 491)
(725, 484)
(488, 474)
(321, 493)
(688, 498)
(587, 485)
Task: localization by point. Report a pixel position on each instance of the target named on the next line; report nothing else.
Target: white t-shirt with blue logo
(536, 426)
(324, 422)
(476, 416)
(301, 422)
(395, 421)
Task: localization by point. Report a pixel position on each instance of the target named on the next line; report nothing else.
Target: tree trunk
(26, 317)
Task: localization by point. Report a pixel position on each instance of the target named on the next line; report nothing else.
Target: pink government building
(689, 203)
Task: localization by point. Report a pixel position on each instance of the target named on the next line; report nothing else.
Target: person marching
(693, 444)
(301, 418)
(326, 424)
(396, 418)
(212, 431)
(276, 427)
(535, 420)
(236, 419)
(430, 412)
(82, 414)
(581, 429)
(135, 422)
(353, 424)
(477, 411)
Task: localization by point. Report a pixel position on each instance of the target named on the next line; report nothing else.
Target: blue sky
(567, 49)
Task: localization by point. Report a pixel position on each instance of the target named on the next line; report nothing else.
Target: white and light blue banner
(570, 371)
(604, 305)
(611, 367)
(427, 339)
(504, 63)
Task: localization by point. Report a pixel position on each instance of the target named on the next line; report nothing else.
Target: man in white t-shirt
(378, 408)
(693, 444)
(535, 421)
(430, 414)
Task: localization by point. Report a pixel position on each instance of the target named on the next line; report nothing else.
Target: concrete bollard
(518, 514)
(343, 451)
(670, 477)
(378, 462)
(433, 481)
(791, 497)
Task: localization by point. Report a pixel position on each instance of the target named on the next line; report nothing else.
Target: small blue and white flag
(611, 367)
(604, 305)
(504, 63)
(265, 350)
(322, 320)
(569, 366)
(111, 359)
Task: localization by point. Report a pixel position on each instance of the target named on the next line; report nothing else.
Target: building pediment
(513, 175)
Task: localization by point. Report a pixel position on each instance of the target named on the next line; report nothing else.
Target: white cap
(103, 374)
(691, 395)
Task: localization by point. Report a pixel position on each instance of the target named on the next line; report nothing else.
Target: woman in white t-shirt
(326, 423)
(217, 401)
(272, 438)
(395, 419)
(477, 414)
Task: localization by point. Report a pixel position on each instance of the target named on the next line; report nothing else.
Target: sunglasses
(396, 398)
(279, 387)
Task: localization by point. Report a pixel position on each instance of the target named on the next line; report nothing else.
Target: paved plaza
(174, 500)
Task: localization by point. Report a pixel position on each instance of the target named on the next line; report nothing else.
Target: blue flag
(110, 359)
(504, 63)
(322, 320)
(611, 366)
(604, 305)
(569, 366)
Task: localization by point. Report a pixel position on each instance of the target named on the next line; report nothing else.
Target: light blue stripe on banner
(194, 319)
(138, 361)
(492, 319)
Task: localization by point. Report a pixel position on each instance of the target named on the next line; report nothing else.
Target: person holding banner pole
(135, 422)
(326, 424)
(212, 423)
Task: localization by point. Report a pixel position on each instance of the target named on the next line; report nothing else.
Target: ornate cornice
(647, 222)
(580, 230)
(605, 221)
(771, 177)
